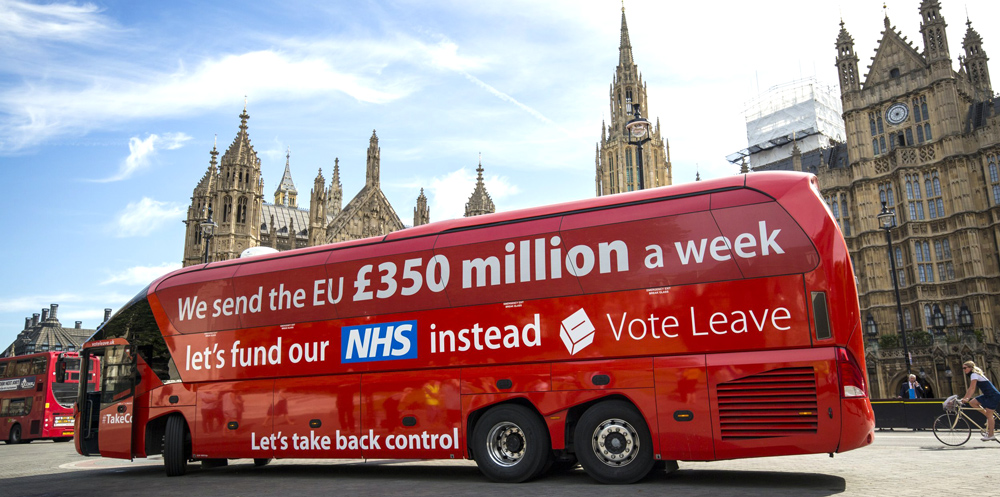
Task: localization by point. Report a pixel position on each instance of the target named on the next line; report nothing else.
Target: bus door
(107, 410)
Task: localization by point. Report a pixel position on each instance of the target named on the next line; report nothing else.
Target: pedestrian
(987, 402)
(911, 389)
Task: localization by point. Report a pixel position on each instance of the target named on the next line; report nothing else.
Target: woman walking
(987, 402)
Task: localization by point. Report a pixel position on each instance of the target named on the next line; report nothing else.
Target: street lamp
(638, 127)
(965, 319)
(871, 328)
(208, 231)
(937, 320)
(888, 221)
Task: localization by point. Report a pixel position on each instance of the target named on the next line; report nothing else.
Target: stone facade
(617, 167)
(231, 193)
(924, 139)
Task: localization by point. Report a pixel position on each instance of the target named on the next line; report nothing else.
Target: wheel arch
(156, 428)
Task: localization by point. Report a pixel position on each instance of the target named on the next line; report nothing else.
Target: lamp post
(888, 221)
(965, 319)
(871, 328)
(208, 231)
(638, 127)
(937, 320)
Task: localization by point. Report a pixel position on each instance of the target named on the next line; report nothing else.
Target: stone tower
(617, 167)
(234, 195)
(924, 140)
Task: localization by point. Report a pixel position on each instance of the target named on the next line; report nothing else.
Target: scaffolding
(802, 111)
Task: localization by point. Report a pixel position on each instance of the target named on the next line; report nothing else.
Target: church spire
(286, 194)
(847, 61)
(480, 201)
(335, 194)
(976, 60)
(374, 158)
(625, 46)
(421, 213)
(932, 28)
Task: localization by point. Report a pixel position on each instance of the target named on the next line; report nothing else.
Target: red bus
(37, 392)
(705, 321)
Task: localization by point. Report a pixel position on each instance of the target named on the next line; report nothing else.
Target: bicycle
(954, 427)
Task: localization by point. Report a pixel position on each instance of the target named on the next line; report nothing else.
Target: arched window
(907, 318)
(241, 210)
(227, 208)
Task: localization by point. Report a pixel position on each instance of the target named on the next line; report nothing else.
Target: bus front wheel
(613, 443)
(176, 446)
(14, 437)
(511, 444)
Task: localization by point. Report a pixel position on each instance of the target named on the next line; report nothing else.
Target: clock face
(897, 113)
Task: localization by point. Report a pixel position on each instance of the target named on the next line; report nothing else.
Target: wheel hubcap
(506, 444)
(615, 442)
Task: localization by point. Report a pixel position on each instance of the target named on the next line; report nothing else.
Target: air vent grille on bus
(777, 403)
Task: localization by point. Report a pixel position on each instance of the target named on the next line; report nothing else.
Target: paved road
(897, 464)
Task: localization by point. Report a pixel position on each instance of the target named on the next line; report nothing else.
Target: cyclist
(987, 402)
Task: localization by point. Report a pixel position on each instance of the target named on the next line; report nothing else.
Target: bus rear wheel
(613, 443)
(176, 446)
(511, 444)
(14, 437)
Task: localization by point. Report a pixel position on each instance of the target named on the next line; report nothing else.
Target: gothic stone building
(617, 167)
(233, 193)
(924, 139)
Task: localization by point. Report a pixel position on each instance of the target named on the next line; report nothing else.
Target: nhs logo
(378, 342)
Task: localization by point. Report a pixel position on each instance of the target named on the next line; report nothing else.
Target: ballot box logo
(577, 332)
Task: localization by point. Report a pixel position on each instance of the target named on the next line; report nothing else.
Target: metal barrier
(913, 414)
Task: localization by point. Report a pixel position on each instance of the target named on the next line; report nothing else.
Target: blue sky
(108, 110)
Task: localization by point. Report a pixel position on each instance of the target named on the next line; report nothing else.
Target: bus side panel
(234, 420)
(507, 379)
(411, 415)
(684, 408)
(320, 415)
(772, 403)
(609, 374)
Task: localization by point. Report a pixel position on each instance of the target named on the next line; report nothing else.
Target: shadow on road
(404, 478)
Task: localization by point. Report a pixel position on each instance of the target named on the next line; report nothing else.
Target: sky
(108, 110)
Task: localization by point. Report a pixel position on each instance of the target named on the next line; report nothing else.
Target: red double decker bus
(697, 322)
(37, 392)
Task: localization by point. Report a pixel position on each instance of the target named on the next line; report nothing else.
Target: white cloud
(142, 151)
(145, 216)
(141, 275)
(49, 22)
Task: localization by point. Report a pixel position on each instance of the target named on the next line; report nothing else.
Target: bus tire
(14, 436)
(613, 443)
(176, 448)
(511, 444)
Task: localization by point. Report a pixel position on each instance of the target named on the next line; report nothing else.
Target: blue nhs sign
(378, 342)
